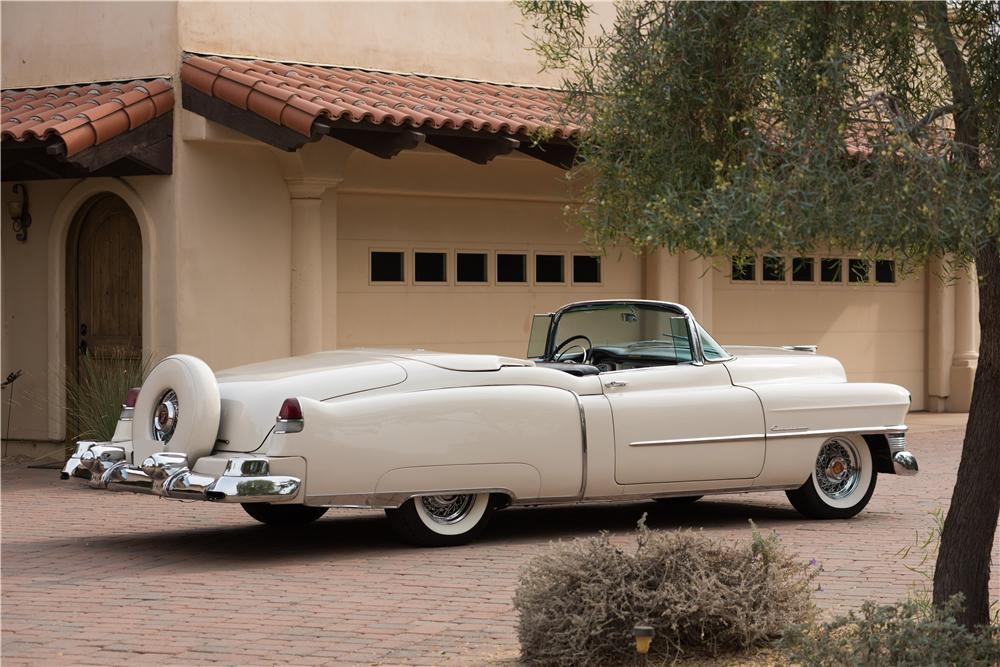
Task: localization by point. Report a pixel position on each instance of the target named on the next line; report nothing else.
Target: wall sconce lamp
(20, 217)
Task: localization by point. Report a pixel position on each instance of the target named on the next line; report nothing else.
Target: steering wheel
(569, 344)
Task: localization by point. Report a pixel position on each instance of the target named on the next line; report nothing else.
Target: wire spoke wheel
(837, 468)
(445, 519)
(448, 509)
(841, 482)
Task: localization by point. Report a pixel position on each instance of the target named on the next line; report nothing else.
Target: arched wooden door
(104, 283)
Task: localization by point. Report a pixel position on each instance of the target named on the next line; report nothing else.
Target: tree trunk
(963, 562)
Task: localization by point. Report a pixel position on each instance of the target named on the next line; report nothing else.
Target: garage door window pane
(830, 270)
(470, 267)
(857, 271)
(586, 269)
(885, 271)
(774, 268)
(512, 268)
(549, 269)
(386, 267)
(802, 269)
(430, 267)
(744, 268)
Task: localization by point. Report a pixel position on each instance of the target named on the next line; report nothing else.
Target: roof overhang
(113, 129)
(381, 113)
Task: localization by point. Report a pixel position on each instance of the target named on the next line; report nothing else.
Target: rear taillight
(289, 417)
(128, 407)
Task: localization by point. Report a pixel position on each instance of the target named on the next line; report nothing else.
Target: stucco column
(940, 334)
(696, 286)
(966, 358)
(661, 280)
(307, 276)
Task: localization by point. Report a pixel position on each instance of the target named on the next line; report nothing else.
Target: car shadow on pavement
(368, 535)
(570, 521)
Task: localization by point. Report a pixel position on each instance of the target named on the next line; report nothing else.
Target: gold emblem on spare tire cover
(165, 417)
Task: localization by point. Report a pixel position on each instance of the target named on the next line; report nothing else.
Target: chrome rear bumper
(246, 479)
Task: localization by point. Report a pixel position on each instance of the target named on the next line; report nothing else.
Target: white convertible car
(619, 400)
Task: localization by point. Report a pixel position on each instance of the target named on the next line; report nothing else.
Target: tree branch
(929, 118)
(966, 118)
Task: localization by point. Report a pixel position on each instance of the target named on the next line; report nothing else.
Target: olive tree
(733, 128)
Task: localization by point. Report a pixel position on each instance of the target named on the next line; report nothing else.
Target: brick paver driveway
(91, 577)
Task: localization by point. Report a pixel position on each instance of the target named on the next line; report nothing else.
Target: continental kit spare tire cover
(177, 410)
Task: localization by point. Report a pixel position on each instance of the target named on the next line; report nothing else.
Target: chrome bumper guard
(903, 462)
(245, 479)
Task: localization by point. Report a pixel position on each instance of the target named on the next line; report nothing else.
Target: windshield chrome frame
(697, 350)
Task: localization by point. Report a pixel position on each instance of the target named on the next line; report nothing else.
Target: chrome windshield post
(697, 351)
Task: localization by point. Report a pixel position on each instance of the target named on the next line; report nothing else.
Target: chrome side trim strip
(776, 432)
(695, 441)
(583, 440)
(631, 497)
(899, 428)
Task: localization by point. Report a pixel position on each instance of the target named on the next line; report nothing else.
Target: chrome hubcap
(165, 417)
(837, 468)
(447, 509)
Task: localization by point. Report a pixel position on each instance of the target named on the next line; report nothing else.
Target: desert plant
(96, 392)
(900, 635)
(919, 558)
(579, 602)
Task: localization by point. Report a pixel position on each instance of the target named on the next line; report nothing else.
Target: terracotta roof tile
(83, 115)
(296, 95)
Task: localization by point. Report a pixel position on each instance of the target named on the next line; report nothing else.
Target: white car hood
(757, 365)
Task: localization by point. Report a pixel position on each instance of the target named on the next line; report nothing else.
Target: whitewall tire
(842, 480)
(177, 410)
(441, 520)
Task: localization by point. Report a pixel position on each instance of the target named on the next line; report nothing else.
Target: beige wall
(47, 43)
(482, 40)
(234, 253)
(25, 318)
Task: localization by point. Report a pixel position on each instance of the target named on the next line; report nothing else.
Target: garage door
(864, 314)
(462, 275)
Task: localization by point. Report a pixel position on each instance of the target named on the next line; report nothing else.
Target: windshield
(629, 329)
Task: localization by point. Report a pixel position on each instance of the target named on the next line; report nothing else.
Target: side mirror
(540, 325)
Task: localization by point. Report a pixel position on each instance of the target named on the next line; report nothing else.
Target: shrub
(579, 602)
(96, 392)
(903, 634)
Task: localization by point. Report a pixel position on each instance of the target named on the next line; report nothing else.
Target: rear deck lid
(252, 395)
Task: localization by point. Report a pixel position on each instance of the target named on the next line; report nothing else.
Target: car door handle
(615, 383)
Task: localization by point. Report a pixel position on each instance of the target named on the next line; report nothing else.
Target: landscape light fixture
(643, 638)
(20, 217)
